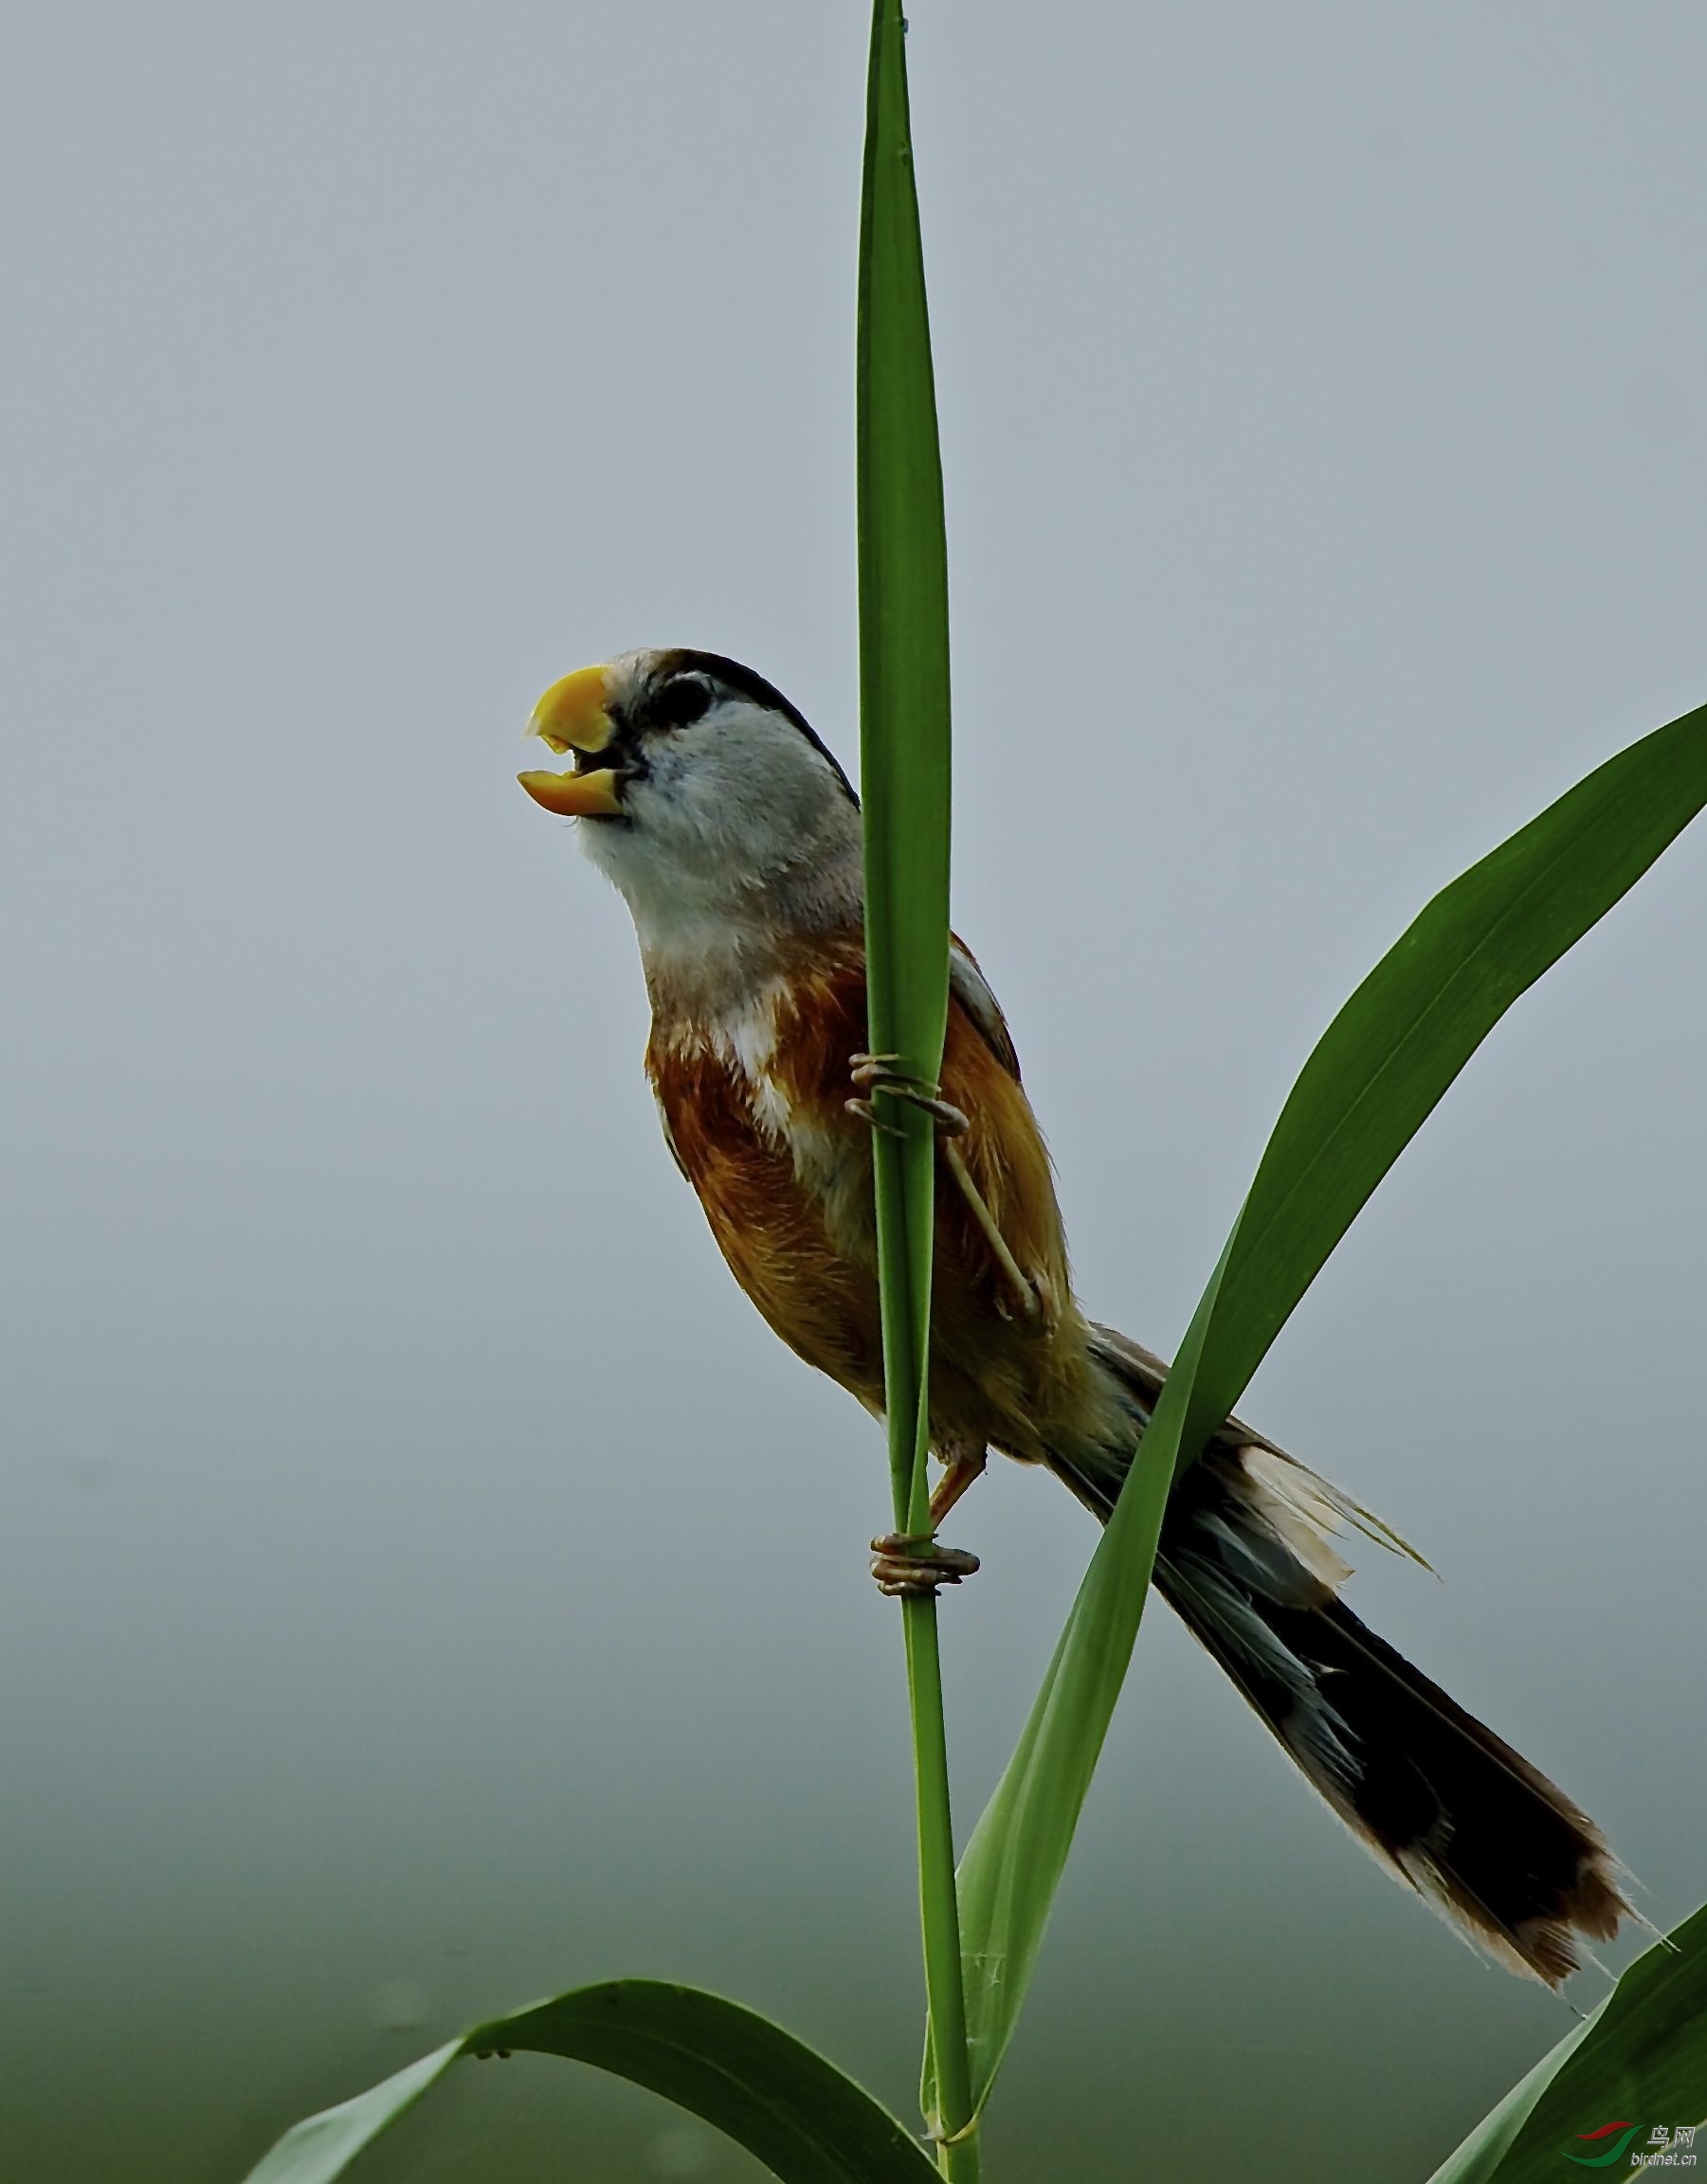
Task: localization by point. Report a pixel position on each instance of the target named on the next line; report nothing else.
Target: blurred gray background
(426, 1583)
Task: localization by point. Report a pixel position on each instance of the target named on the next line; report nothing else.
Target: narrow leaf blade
(324, 2146)
(1374, 1077)
(1397, 1045)
(905, 770)
(756, 2083)
(903, 726)
(1641, 2057)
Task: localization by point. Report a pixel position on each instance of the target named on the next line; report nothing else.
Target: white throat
(741, 840)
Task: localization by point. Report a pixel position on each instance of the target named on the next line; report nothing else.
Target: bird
(734, 836)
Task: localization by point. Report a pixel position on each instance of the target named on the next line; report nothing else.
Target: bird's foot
(1033, 1298)
(878, 1073)
(904, 1574)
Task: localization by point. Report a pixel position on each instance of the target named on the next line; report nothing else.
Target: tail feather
(1248, 1560)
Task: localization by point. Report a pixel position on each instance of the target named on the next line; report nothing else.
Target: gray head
(707, 799)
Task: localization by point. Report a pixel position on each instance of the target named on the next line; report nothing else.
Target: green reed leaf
(1638, 2063)
(905, 780)
(756, 2083)
(1372, 1080)
(903, 727)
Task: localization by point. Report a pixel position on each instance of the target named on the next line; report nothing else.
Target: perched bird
(734, 836)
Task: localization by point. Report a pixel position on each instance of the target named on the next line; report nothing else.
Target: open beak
(572, 716)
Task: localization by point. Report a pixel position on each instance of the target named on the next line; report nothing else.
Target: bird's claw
(1038, 1302)
(878, 1073)
(905, 1575)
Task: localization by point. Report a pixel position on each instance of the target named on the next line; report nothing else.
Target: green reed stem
(939, 1917)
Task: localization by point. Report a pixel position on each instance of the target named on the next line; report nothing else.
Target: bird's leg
(1024, 1291)
(876, 1073)
(899, 1571)
(961, 1470)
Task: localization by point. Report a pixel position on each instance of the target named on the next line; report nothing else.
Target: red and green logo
(1616, 2151)
(1673, 2145)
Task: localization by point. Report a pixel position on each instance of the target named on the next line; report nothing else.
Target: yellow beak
(571, 716)
(575, 796)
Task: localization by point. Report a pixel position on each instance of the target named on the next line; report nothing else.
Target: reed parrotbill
(734, 836)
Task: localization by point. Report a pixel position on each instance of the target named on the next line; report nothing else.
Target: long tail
(1247, 1560)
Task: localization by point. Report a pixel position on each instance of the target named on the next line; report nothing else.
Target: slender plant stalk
(939, 1917)
(904, 773)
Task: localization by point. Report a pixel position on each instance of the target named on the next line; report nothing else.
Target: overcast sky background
(423, 1582)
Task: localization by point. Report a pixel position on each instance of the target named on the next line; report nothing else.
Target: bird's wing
(1002, 1149)
(1143, 1371)
(970, 986)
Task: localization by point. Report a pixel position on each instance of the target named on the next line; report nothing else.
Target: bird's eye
(680, 701)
